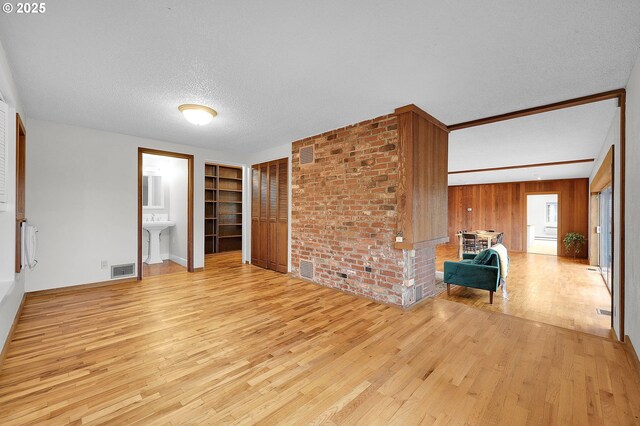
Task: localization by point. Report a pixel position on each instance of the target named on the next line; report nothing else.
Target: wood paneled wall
(423, 149)
(502, 206)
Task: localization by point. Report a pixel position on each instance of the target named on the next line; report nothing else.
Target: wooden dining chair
(469, 243)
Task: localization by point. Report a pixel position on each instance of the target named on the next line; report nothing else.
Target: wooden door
(272, 208)
(282, 217)
(258, 257)
(270, 215)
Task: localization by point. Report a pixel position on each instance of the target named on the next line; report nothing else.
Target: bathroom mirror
(152, 192)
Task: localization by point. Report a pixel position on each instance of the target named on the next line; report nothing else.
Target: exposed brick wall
(344, 213)
(343, 209)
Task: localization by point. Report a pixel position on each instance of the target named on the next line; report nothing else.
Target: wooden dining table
(482, 234)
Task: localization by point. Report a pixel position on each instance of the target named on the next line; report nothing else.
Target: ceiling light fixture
(199, 115)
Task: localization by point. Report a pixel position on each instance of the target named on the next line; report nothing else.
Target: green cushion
(483, 258)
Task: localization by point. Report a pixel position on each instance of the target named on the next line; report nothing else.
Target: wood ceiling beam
(524, 166)
(597, 97)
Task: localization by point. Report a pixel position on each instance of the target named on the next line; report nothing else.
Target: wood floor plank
(236, 344)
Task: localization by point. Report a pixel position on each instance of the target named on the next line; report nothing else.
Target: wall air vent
(306, 269)
(306, 155)
(123, 271)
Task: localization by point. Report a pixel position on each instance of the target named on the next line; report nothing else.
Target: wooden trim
(604, 175)
(524, 166)
(74, 288)
(559, 248)
(413, 108)
(631, 352)
(597, 97)
(622, 156)
(5, 347)
(518, 182)
(190, 201)
(198, 269)
(613, 235)
(21, 164)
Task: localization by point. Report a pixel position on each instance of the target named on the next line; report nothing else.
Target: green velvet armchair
(466, 273)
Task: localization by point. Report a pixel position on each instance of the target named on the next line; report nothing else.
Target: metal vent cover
(306, 269)
(121, 271)
(306, 155)
(419, 293)
(605, 312)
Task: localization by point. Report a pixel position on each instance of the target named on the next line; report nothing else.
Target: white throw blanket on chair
(503, 258)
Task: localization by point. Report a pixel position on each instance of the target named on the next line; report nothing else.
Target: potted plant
(573, 242)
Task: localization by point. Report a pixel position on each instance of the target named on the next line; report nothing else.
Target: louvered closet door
(258, 257)
(272, 251)
(282, 227)
(264, 211)
(269, 215)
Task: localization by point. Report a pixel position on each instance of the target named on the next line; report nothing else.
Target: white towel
(504, 260)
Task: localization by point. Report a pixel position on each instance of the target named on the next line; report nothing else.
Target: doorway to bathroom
(165, 212)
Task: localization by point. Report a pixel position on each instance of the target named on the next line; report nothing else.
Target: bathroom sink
(154, 228)
(158, 225)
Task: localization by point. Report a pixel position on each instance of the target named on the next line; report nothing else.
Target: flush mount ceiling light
(199, 115)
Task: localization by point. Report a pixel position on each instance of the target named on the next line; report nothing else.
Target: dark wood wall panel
(502, 206)
(422, 169)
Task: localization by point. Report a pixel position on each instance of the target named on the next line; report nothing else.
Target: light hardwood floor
(166, 267)
(238, 344)
(554, 290)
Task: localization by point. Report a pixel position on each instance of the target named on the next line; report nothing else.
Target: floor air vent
(605, 312)
(306, 269)
(121, 271)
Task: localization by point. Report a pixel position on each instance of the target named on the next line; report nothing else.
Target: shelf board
(229, 178)
(229, 202)
(229, 236)
(230, 190)
(210, 189)
(211, 218)
(210, 201)
(227, 214)
(230, 224)
(210, 176)
(210, 235)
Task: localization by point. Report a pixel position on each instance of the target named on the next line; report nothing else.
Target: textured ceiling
(564, 135)
(277, 71)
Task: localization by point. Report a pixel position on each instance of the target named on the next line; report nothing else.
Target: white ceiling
(564, 135)
(277, 71)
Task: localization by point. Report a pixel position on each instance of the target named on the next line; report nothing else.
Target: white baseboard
(178, 260)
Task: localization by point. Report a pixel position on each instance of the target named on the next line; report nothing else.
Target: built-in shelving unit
(222, 208)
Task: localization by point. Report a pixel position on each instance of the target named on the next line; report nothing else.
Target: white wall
(536, 214)
(12, 285)
(82, 196)
(178, 186)
(613, 138)
(276, 153)
(632, 207)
